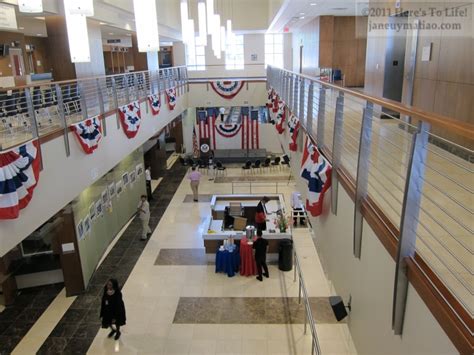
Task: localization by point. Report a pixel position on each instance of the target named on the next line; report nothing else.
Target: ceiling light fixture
(146, 22)
(81, 7)
(313, 4)
(30, 6)
(202, 22)
(77, 35)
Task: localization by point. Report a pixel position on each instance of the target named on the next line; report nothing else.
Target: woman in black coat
(112, 310)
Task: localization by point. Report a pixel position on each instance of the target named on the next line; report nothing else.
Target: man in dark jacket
(260, 245)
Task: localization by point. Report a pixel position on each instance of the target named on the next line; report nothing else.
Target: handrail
(444, 122)
(259, 184)
(68, 81)
(308, 313)
(207, 79)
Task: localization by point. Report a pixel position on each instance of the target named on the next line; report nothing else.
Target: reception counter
(215, 232)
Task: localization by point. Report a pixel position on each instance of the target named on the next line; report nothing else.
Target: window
(274, 50)
(234, 53)
(196, 56)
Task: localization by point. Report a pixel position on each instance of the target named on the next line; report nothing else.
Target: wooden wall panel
(58, 47)
(40, 53)
(139, 59)
(7, 38)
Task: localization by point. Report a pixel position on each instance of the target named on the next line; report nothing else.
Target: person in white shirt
(297, 206)
(143, 211)
(148, 183)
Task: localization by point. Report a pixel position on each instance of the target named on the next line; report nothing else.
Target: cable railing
(425, 191)
(37, 110)
(240, 187)
(315, 348)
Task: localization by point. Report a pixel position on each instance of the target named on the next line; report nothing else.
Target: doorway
(18, 66)
(395, 60)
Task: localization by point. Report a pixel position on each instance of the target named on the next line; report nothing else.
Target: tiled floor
(17, 320)
(159, 274)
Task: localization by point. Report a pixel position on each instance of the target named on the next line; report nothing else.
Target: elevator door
(395, 58)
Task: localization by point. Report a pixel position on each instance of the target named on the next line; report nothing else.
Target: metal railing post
(82, 99)
(62, 116)
(290, 92)
(294, 104)
(336, 149)
(31, 113)
(309, 110)
(321, 117)
(127, 88)
(305, 321)
(409, 222)
(299, 288)
(362, 175)
(301, 115)
(294, 266)
(114, 90)
(101, 106)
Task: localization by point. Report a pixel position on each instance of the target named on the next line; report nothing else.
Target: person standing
(261, 245)
(194, 177)
(112, 310)
(261, 214)
(148, 183)
(297, 208)
(143, 211)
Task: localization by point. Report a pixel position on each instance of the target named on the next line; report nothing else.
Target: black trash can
(285, 255)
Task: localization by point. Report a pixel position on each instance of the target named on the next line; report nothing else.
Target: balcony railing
(35, 111)
(421, 193)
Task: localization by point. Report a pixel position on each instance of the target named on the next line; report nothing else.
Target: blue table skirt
(227, 262)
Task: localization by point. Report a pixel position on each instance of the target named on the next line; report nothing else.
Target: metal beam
(362, 182)
(409, 222)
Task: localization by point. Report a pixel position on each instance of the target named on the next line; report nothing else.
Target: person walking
(143, 211)
(148, 183)
(194, 177)
(261, 245)
(112, 310)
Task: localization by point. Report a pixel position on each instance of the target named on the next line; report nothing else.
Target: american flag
(195, 144)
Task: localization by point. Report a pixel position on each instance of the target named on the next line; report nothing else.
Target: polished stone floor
(191, 256)
(16, 320)
(201, 198)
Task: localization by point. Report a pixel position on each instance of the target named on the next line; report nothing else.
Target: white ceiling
(295, 13)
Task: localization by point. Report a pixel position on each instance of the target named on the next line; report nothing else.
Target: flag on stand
(195, 144)
(316, 170)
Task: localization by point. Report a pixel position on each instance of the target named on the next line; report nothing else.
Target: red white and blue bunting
(88, 133)
(294, 128)
(155, 103)
(270, 98)
(250, 131)
(130, 117)
(19, 174)
(171, 98)
(280, 118)
(316, 170)
(228, 130)
(227, 89)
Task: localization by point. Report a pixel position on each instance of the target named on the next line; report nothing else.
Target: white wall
(369, 281)
(63, 178)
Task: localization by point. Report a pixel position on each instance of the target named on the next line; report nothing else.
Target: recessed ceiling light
(111, 33)
(102, 23)
(301, 13)
(39, 34)
(40, 18)
(21, 28)
(313, 4)
(302, 18)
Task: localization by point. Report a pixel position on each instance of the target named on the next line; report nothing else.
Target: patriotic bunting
(270, 98)
(171, 96)
(88, 133)
(228, 130)
(19, 174)
(130, 116)
(155, 103)
(316, 170)
(280, 118)
(294, 127)
(227, 89)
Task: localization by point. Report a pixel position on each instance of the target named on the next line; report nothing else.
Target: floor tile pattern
(250, 310)
(253, 178)
(78, 327)
(192, 256)
(16, 320)
(201, 198)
